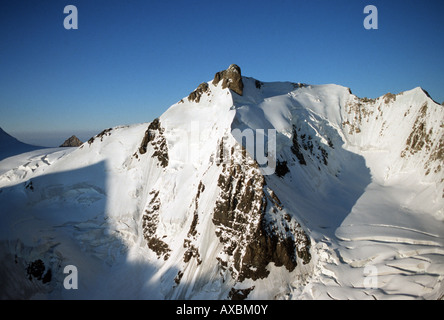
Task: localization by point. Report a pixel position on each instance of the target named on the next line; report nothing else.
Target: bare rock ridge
(231, 79)
(252, 227)
(73, 141)
(154, 137)
(178, 210)
(196, 94)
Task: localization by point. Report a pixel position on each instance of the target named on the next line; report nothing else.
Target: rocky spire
(231, 79)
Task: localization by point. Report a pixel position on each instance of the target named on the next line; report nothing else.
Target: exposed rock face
(422, 137)
(73, 141)
(419, 138)
(231, 79)
(313, 149)
(189, 242)
(281, 168)
(36, 269)
(359, 111)
(239, 294)
(154, 136)
(251, 225)
(149, 135)
(369, 122)
(101, 135)
(196, 94)
(150, 221)
(389, 97)
(296, 148)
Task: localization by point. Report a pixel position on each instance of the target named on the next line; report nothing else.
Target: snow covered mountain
(10, 146)
(243, 189)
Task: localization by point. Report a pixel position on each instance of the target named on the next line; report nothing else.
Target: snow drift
(183, 207)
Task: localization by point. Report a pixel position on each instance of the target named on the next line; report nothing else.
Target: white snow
(375, 218)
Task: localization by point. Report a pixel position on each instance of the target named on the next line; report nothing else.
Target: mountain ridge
(11, 146)
(194, 206)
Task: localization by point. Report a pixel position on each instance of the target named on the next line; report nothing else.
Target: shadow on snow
(61, 219)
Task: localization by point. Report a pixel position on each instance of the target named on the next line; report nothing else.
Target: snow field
(374, 218)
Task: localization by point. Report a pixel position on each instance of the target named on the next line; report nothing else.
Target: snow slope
(181, 208)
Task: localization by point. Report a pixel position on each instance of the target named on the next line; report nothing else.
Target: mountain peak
(283, 193)
(425, 92)
(73, 141)
(11, 146)
(3, 132)
(4, 136)
(231, 79)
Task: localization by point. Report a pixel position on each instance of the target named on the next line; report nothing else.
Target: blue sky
(128, 61)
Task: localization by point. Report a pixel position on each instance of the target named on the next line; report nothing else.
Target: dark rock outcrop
(231, 79)
(296, 148)
(150, 221)
(189, 242)
(281, 168)
(419, 137)
(36, 269)
(197, 94)
(251, 225)
(308, 148)
(101, 135)
(239, 294)
(154, 136)
(389, 97)
(73, 141)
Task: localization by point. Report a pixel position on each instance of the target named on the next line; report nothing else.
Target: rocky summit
(245, 189)
(231, 79)
(72, 141)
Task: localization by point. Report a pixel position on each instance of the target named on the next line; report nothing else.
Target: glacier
(181, 208)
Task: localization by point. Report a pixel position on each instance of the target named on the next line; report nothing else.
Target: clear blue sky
(128, 61)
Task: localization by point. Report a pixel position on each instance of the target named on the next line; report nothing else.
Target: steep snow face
(186, 206)
(211, 215)
(366, 180)
(407, 129)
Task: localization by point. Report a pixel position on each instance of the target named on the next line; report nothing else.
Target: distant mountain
(10, 146)
(73, 141)
(243, 189)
